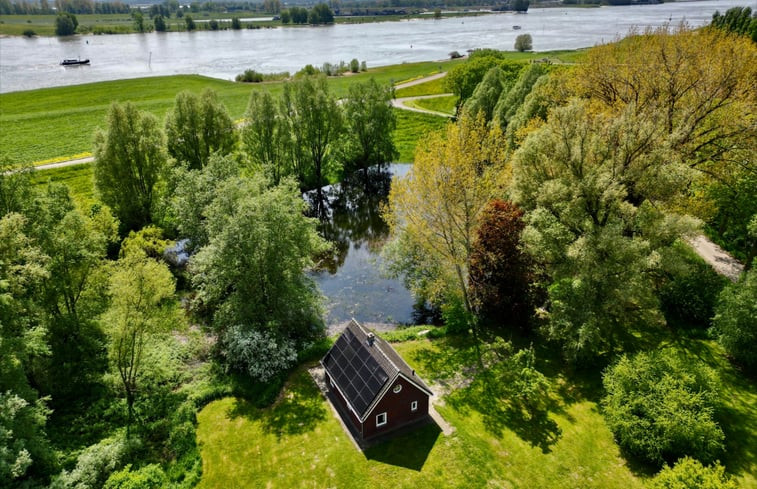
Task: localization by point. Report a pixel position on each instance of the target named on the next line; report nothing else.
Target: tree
(191, 193)
(355, 65)
(321, 14)
(435, 210)
(370, 123)
(487, 93)
(500, 271)
(236, 24)
(593, 187)
(510, 101)
(129, 159)
(279, 243)
(286, 17)
(520, 6)
(23, 443)
(688, 473)
(160, 23)
(660, 407)
(463, 78)
(735, 319)
(139, 288)
(315, 122)
(198, 127)
(190, 23)
(139, 20)
(524, 42)
(266, 135)
(65, 24)
(695, 86)
(737, 19)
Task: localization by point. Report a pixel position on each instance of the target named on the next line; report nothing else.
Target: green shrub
(148, 477)
(250, 76)
(688, 473)
(29, 33)
(661, 407)
(735, 320)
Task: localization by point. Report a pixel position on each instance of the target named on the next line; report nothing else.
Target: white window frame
(414, 406)
(381, 423)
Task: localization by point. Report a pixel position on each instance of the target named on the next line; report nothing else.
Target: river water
(34, 63)
(352, 276)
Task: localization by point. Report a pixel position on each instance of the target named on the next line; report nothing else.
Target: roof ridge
(379, 349)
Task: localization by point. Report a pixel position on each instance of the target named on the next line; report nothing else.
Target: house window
(381, 420)
(414, 406)
(397, 388)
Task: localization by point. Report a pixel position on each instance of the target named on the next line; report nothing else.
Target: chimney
(371, 339)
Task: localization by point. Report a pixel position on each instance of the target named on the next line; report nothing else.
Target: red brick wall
(397, 408)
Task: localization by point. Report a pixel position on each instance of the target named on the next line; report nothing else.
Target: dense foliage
(661, 408)
(735, 320)
(688, 473)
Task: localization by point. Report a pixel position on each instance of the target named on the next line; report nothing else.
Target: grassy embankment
(297, 442)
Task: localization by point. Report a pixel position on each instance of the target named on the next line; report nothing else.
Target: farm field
(298, 443)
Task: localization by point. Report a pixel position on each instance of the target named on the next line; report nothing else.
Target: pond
(352, 277)
(34, 63)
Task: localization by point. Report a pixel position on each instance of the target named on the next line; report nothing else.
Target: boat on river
(516, 27)
(74, 62)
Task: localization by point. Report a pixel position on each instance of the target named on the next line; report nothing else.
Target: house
(376, 390)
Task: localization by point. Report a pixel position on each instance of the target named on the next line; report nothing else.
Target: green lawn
(433, 87)
(44, 124)
(79, 179)
(298, 443)
(445, 105)
(412, 127)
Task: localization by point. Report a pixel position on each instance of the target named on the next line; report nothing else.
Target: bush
(148, 477)
(523, 42)
(258, 353)
(66, 24)
(95, 464)
(455, 55)
(688, 473)
(660, 408)
(29, 33)
(355, 65)
(735, 319)
(250, 76)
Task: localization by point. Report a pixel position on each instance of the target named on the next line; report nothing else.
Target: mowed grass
(57, 122)
(298, 443)
(433, 87)
(445, 104)
(78, 178)
(412, 127)
(304, 446)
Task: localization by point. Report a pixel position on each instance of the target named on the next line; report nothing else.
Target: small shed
(375, 388)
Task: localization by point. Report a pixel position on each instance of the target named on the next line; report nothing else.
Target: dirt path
(61, 164)
(716, 257)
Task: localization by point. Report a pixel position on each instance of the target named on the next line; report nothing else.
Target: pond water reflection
(351, 275)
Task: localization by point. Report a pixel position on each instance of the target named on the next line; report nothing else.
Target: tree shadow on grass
(529, 423)
(736, 412)
(409, 450)
(298, 409)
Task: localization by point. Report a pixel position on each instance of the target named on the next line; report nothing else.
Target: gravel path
(420, 80)
(716, 257)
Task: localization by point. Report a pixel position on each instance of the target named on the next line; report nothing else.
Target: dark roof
(361, 370)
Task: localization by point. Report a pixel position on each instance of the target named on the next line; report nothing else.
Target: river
(34, 63)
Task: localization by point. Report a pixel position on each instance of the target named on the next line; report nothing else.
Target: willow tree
(594, 187)
(435, 210)
(198, 127)
(130, 157)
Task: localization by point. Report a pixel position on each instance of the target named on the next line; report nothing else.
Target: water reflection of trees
(350, 212)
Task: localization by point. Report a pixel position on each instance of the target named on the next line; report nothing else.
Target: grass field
(445, 105)
(44, 25)
(298, 443)
(433, 87)
(42, 124)
(412, 127)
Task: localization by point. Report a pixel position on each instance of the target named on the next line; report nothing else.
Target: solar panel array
(355, 371)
